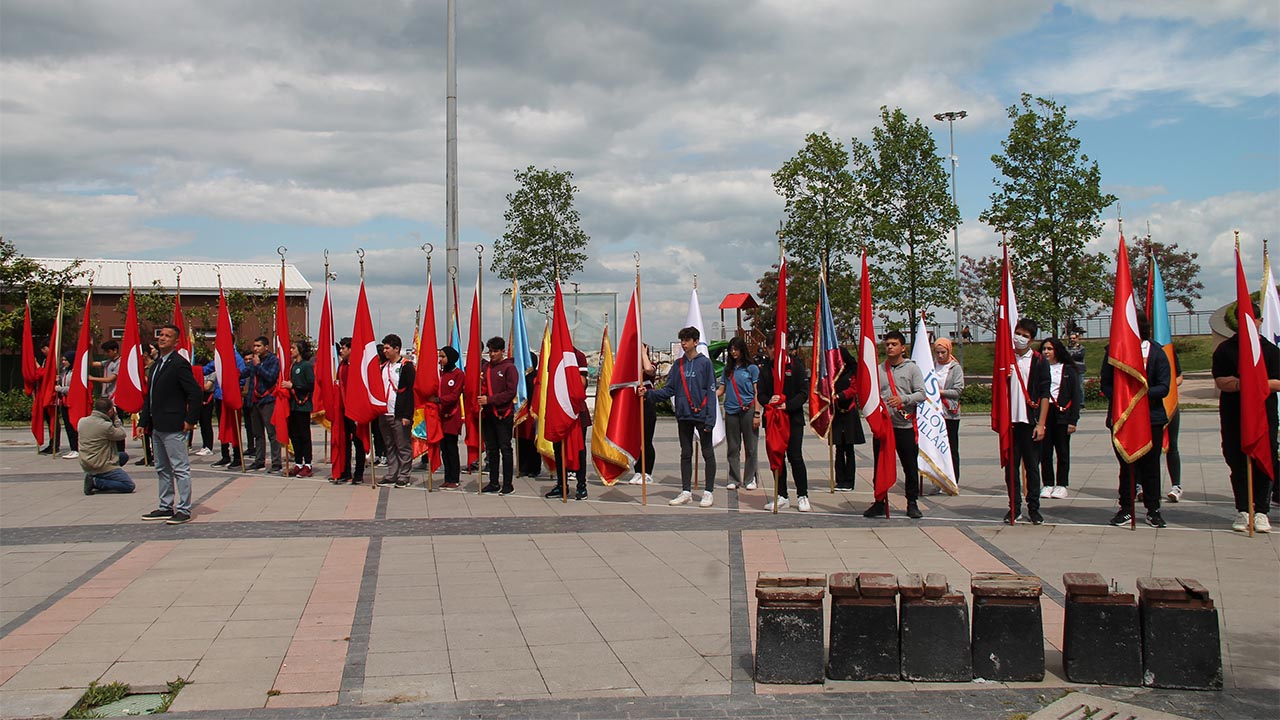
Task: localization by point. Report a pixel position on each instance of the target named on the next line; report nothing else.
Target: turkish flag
(1006, 318)
(284, 351)
(1254, 388)
(131, 381)
(1130, 407)
(625, 430)
(365, 397)
(566, 397)
(777, 425)
(326, 365)
(79, 392)
(30, 369)
(224, 357)
(471, 383)
(43, 399)
(873, 408)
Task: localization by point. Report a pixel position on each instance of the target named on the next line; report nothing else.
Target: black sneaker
(506, 490)
(554, 492)
(222, 463)
(383, 483)
(178, 518)
(158, 515)
(276, 470)
(581, 494)
(1035, 516)
(141, 461)
(88, 484)
(402, 484)
(1121, 518)
(913, 511)
(357, 481)
(1155, 520)
(255, 467)
(876, 510)
(1009, 520)
(48, 450)
(491, 488)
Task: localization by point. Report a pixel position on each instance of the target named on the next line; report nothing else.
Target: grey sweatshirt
(910, 384)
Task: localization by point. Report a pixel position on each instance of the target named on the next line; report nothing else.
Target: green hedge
(15, 406)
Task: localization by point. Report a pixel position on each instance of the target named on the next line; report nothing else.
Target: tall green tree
(1049, 202)
(911, 214)
(1178, 269)
(822, 229)
(542, 235)
(23, 279)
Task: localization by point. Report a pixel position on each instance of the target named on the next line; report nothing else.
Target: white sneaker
(637, 479)
(71, 455)
(783, 504)
(1242, 522)
(802, 503)
(1175, 493)
(682, 499)
(648, 479)
(204, 451)
(1046, 492)
(1261, 523)
(1060, 492)
(751, 484)
(706, 499)
(731, 485)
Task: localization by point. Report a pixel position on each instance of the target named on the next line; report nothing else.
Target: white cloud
(1265, 15)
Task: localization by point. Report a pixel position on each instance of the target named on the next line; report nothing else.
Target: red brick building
(158, 280)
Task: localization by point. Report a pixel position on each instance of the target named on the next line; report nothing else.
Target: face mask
(1020, 342)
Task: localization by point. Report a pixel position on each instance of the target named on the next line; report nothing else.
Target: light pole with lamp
(951, 117)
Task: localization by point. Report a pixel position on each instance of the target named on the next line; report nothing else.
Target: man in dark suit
(170, 410)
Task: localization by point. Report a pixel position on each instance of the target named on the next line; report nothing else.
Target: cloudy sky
(219, 129)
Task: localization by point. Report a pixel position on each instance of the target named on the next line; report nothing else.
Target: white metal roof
(197, 277)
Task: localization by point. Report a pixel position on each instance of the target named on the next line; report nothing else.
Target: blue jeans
(117, 480)
(173, 468)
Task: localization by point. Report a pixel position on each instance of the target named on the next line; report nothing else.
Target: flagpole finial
(281, 250)
(1237, 234)
(636, 255)
(217, 269)
(360, 254)
(695, 281)
(128, 268)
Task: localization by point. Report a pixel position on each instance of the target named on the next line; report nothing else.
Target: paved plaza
(292, 597)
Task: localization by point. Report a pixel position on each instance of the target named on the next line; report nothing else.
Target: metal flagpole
(776, 390)
(697, 433)
(644, 475)
(286, 447)
(480, 454)
(370, 461)
(431, 353)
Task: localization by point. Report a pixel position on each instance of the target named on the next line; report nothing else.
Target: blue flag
(519, 347)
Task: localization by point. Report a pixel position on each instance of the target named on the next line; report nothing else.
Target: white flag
(1270, 327)
(933, 456)
(695, 320)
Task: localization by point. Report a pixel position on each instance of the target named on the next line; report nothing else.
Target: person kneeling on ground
(101, 462)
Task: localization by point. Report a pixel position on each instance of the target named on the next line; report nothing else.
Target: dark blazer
(402, 403)
(1068, 392)
(1158, 379)
(846, 423)
(172, 397)
(795, 388)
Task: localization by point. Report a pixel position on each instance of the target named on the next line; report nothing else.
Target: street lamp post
(951, 117)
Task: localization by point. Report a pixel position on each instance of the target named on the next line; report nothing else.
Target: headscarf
(450, 358)
(946, 343)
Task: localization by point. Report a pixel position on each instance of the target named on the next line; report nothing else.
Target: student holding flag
(785, 405)
(691, 386)
(497, 402)
(901, 389)
(450, 391)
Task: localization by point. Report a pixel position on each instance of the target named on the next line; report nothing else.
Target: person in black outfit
(650, 374)
(1146, 469)
(1226, 378)
(846, 423)
(793, 394)
(1065, 398)
(1030, 411)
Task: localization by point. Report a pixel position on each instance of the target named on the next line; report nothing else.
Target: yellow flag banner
(609, 461)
